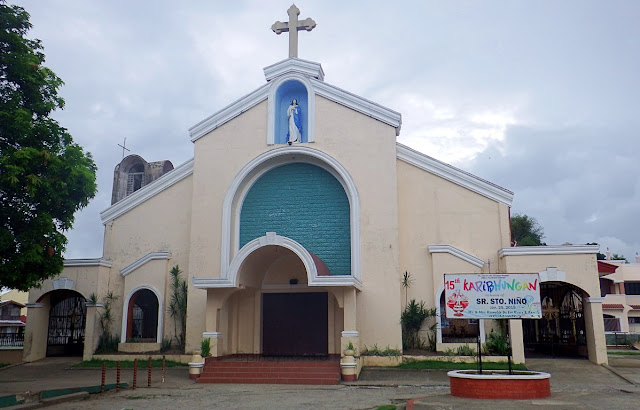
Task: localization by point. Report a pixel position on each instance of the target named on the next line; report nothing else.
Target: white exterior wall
(626, 272)
(403, 211)
(365, 148)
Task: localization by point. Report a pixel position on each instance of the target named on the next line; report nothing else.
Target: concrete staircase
(290, 371)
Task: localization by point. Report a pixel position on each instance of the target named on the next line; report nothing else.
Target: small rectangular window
(135, 181)
(632, 288)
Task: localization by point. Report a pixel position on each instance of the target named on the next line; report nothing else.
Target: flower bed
(499, 384)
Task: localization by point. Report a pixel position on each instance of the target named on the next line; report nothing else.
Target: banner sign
(492, 296)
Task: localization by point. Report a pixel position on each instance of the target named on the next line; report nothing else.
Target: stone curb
(620, 375)
(12, 365)
(390, 384)
(395, 369)
(33, 400)
(51, 401)
(65, 398)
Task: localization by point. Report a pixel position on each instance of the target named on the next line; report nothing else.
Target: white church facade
(293, 224)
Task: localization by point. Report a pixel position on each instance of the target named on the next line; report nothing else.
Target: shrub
(465, 350)
(412, 319)
(165, 345)
(376, 351)
(496, 344)
(178, 305)
(126, 364)
(108, 343)
(93, 299)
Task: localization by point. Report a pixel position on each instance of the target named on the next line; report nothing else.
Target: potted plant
(350, 349)
(197, 362)
(348, 365)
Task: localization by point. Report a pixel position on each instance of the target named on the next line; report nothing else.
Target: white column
(350, 333)
(594, 327)
(213, 321)
(35, 334)
(215, 344)
(517, 340)
(91, 331)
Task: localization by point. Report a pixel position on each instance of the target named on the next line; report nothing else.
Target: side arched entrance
(67, 319)
(142, 317)
(561, 331)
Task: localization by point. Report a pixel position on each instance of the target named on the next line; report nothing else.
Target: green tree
(407, 281)
(601, 256)
(526, 231)
(44, 176)
(618, 257)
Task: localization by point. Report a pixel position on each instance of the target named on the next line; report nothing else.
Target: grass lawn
(624, 352)
(128, 364)
(435, 364)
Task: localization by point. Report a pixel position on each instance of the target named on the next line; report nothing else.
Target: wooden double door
(295, 324)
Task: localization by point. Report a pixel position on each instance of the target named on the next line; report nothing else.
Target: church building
(293, 224)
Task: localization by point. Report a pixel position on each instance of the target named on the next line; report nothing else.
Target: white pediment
(146, 258)
(467, 257)
(314, 76)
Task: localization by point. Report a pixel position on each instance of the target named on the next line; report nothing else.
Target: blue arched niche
(286, 92)
(305, 203)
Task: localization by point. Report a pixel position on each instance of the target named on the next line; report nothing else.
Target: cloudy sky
(541, 97)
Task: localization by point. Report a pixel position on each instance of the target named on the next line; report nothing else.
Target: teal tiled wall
(305, 203)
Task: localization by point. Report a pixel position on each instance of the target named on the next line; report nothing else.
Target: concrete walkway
(574, 383)
(57, 373)
(51, 373)
(628, 366)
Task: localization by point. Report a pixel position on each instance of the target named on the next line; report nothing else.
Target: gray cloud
(540, 97)
(582, 185)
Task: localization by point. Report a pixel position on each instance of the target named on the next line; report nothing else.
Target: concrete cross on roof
(292, 27)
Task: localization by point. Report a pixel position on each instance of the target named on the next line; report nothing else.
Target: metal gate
(561, 331)
(67, 319)
(572, 327)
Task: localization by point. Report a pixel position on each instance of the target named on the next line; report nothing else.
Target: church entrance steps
(271, 371)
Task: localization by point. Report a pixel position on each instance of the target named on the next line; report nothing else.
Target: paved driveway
(574, 383)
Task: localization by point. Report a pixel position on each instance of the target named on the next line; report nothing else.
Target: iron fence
(622, 339)
(11, 339)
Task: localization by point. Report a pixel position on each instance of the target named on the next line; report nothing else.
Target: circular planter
(499, 384)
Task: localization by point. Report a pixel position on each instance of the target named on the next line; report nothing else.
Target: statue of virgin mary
(295, 125)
